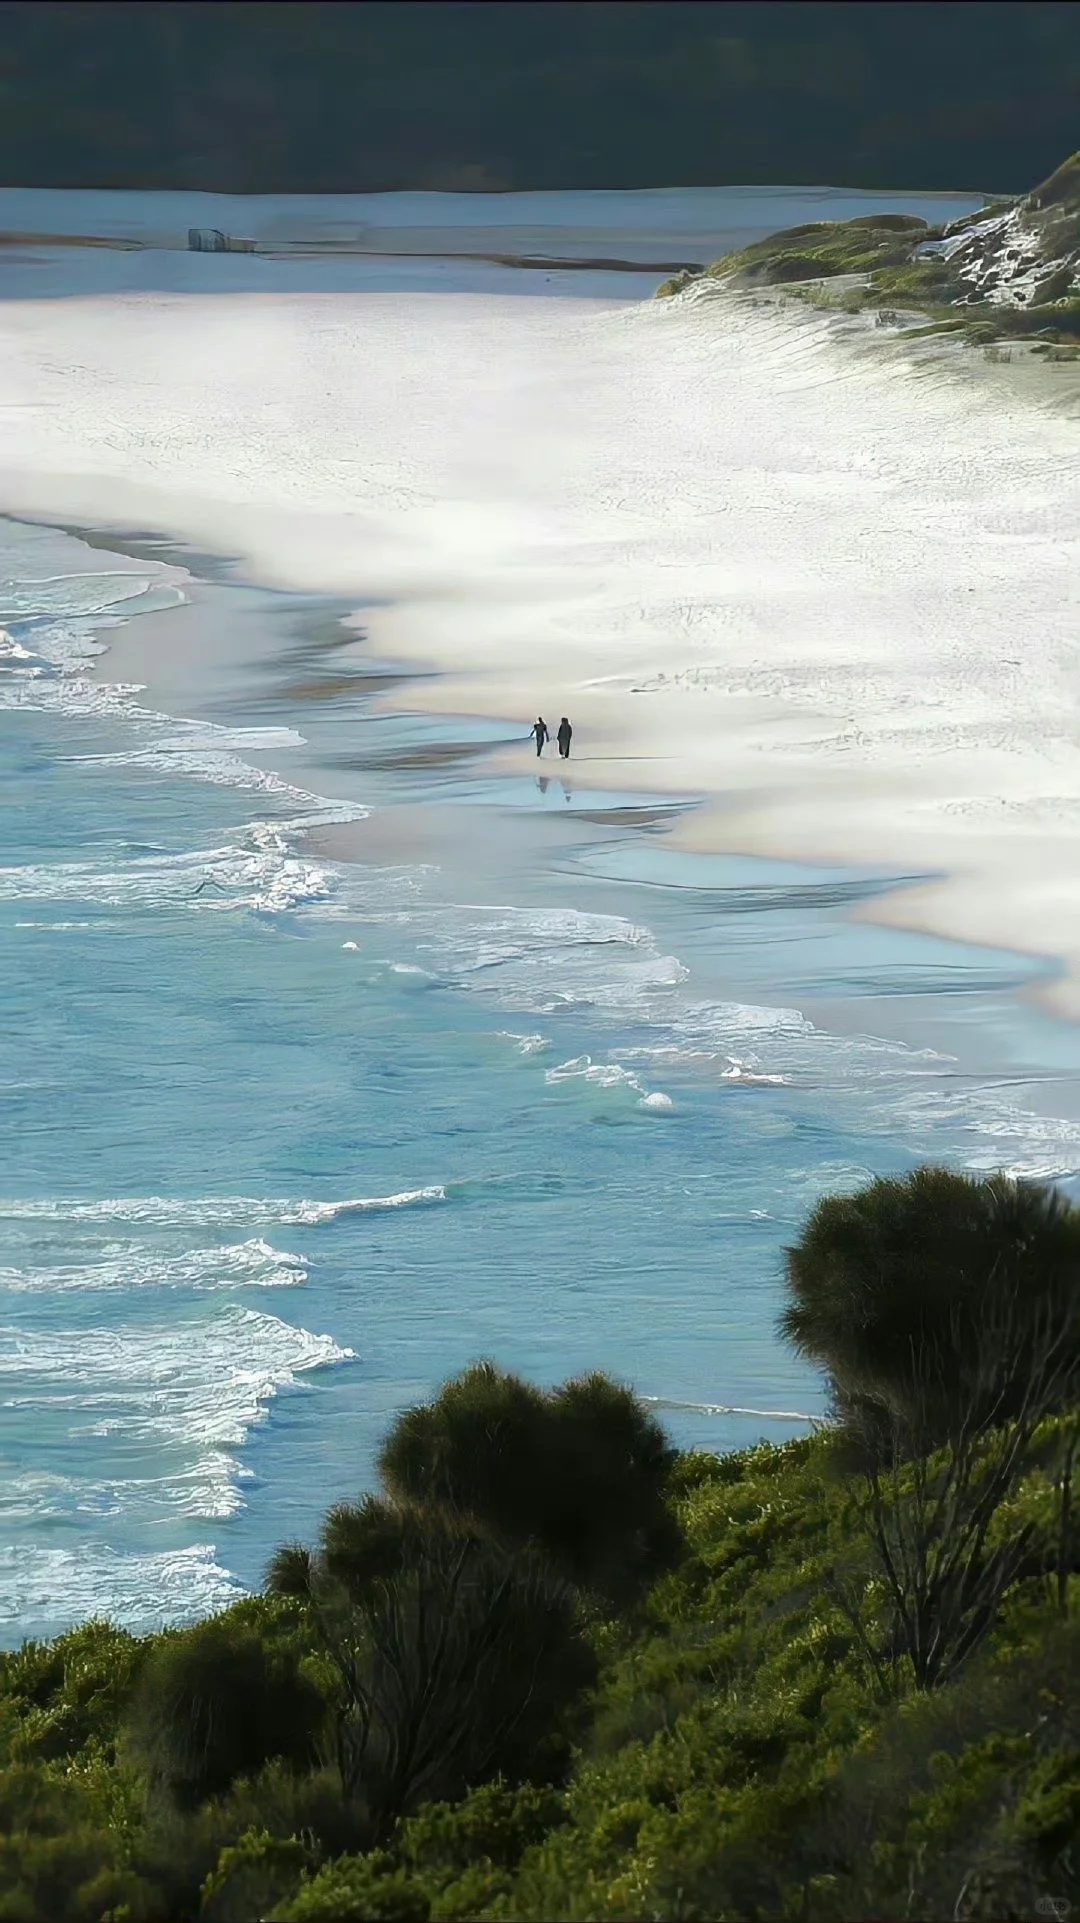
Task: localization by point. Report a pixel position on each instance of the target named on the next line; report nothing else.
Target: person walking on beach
(539, 729)
(564, 735)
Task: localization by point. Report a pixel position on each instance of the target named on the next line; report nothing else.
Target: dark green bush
(430, 1721)
(357, 1889)
(217, 1702)
(252, 1875)
(495, 1824)
(472, 1663)
(911, 224)
(360, 1543)
(54, 1851)
(177, 1851)
(934, 1293)
(581, 1472)
(69, 1691)
(475, 1451)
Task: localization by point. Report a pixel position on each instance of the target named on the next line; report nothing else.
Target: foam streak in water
(181, 1395)
(49, 1589)
(131, 1266)
(729, 1409)
(227, 1210)
(264, 877)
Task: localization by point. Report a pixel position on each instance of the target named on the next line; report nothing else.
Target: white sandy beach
(825, 580)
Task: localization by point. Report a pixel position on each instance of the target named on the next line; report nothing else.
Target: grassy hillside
(1010, 271)
(744, 1761)
(557, 1671)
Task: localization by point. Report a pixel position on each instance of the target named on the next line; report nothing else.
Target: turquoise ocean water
(287, 1138)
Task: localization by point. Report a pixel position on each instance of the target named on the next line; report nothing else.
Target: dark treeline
(501, 95)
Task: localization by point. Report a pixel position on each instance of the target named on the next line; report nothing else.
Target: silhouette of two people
(541, 735)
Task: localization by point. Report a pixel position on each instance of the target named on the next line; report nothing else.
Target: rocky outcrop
(1026, 254)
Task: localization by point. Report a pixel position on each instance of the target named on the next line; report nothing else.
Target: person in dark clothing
(540, 732)
(564, 735)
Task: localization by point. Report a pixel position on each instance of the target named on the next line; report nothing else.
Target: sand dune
(831, 585)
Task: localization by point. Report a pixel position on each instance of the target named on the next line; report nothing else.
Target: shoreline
(311, 250)
(840, 670)
(697, 823)
(419, 830)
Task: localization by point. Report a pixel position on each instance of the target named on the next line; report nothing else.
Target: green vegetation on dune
(1009, 272)
(823, 249)
(557, 1670)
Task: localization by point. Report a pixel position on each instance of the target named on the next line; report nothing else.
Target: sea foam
(179, 1397)
(224, 1210)
(131, 1266)
(46, 1589)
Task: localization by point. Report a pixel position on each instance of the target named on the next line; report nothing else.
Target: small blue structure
(211, 240)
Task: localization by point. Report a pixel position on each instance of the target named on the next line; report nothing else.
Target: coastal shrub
(942, 1794)
(474, 1451)
(251, 1876)
(796, 266)
(215, 1703)
(886, 254)
(920, 283)
(452, 1648)
(609, 1525)
(912, 224)
(678, 282)
(357, 1889)
(54, 1849)
(940, 1568)
(934, 1296)
(283, 1802)
(494, 1825)
(784, 1788)
(459, 1857)
(360, 1543)
(581, 1472)
(491, 1747)
(823, 249)
(67, 1692)
(470, 1663)
(1056, 287)
(945, 1310)
(178, 1851)
(365, 1542)
(1055, 319)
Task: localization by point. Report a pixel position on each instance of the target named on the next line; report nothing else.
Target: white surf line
(168, 1211)
(729, 1409)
